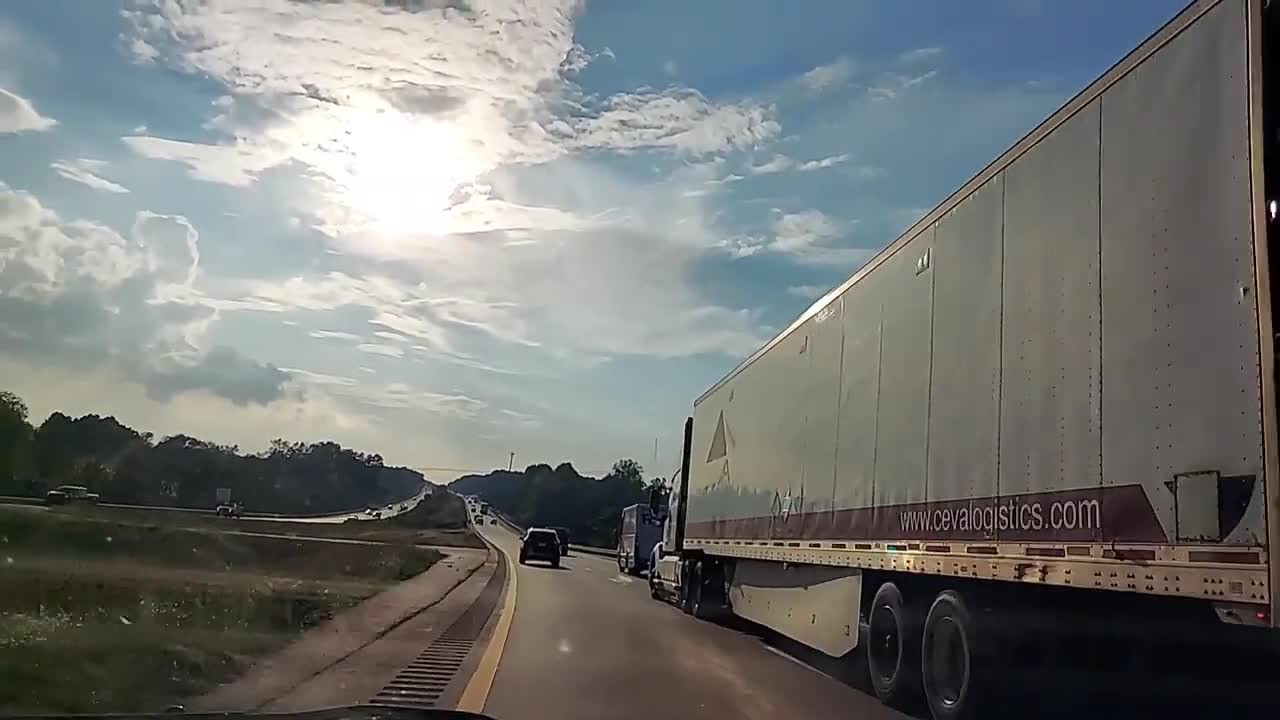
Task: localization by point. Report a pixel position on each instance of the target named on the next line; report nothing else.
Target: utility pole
(511, 461)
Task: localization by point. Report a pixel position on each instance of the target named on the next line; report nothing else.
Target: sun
(401, 171)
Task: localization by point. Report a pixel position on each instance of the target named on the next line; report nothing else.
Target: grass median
(440, 519)
(117, 615)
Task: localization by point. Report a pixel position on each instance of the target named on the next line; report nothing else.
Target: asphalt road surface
(588, 642)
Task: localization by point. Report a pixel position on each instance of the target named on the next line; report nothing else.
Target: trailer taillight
(1242, 614)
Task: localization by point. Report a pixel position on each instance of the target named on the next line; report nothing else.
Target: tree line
(541, 495)
(127, 466)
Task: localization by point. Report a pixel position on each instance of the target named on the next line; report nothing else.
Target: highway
(588, 642)
(384, 512)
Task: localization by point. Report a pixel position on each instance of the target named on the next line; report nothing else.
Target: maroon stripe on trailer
(1118, 513)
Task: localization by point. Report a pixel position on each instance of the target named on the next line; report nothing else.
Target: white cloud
(17, 115)
(801, 231)
(519, 418)
(776, 164)
(487, 256)
(400, 395)
(142, 51)
(394, 337)
(237, 165)
(726, 180)
(806, 237)
(41, 255)
(395, 395)
(808, 292)
(480, 88)
(82, 171)
(893, 84)
(78, 295)
(319, 378)
(380, 349)
(831, 75)
(919, 55)
(173, 246)
(334, 334)
(677, 119)
(823, 163)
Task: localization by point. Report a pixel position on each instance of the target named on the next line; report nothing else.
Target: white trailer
(1055, 390)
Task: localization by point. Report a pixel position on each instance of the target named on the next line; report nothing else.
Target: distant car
(70, 494)
(229, 510)
(404, 506)
(540, 544)
(563, 533)
(494, 521)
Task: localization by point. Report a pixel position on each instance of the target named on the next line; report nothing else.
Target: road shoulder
(318, 650)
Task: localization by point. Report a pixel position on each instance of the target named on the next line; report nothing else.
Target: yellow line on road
(477, 691)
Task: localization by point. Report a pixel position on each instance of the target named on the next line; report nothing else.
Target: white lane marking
(796, 660)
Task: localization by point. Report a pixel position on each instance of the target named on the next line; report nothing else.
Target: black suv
(540, 544)
(563, 534)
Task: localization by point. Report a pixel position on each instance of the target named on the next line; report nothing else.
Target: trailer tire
(951, 661)
(893, 647)
(697, 598)
(690, 574)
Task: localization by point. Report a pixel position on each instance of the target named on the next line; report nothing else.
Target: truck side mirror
(655, 502)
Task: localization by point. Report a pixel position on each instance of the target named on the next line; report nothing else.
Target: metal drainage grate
(424, 680)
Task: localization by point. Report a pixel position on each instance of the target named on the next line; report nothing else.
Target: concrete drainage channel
(423, 681)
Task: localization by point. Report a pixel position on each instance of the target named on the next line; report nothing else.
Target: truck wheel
(690, 579)
(949, 659)
(893, 647)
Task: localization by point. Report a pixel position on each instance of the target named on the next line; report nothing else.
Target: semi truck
(639, 530)
(1049, 406)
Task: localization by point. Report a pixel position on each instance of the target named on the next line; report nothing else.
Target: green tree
(16, 461)
(540, 495)
(628, 470)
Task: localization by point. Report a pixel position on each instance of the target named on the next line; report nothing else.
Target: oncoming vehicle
(233, 510)
(540, 544)
(69, 495)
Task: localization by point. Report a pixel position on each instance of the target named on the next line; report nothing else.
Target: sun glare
(401, 171)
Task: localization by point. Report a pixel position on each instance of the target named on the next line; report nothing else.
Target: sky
(447, 231)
